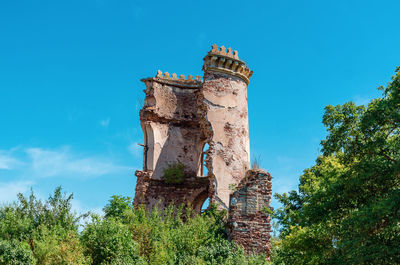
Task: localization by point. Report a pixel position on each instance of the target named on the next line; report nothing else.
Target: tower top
(223, 51)
(175, 80)
(227, 61)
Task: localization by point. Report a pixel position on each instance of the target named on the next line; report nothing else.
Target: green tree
(347, 209)
(117, 206)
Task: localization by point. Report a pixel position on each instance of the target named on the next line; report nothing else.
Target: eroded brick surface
(154, 192)
(249, 223)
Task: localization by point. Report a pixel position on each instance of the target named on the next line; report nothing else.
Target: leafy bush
(13, 252)
(57, 246)
(109, 241)
(175, 173)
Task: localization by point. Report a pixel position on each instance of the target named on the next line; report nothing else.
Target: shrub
(109, 241)
(175, 173)
(45, 233)
(57, 246)
(13, 252)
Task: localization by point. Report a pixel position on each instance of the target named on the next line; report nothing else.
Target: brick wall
(248, 223)
(156, 192)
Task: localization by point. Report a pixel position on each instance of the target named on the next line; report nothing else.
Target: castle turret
(224, 93)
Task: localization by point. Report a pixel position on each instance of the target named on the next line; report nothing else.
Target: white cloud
(9, 190)
(62, 162)
(7, 161)
(105, 122)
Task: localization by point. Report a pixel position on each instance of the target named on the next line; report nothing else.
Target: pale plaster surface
(226, 99)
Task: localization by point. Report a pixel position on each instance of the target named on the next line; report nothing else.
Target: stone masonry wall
(154, 192)
(249, 224)
(170, 124)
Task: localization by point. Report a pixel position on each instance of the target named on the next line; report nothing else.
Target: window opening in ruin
(149, 148)
(205, 205)
(200, 202)
(204, 170)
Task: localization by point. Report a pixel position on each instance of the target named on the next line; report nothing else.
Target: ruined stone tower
(226, 121)
(199, 127)
(196, 146)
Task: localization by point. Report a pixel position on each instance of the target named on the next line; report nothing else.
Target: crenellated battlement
(181, 78)
(226, 61)
(174, 80)
(223, 51)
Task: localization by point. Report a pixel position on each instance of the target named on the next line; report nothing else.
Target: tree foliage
(49, 229)
(347, 208)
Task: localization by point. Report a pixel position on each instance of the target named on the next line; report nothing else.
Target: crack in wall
(213, 104)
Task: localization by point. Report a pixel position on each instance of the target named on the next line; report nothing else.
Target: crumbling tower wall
(225, 120)
(172, 135)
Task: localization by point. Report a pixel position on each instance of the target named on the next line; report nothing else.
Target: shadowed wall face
(171, 126)
(172, 136)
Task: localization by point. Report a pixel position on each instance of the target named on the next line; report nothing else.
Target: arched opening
(203, 168)
(149, 148)
(205, 205)
(200, 202)
(145, 147)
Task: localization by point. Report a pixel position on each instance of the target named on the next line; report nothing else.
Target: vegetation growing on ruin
(174, 173)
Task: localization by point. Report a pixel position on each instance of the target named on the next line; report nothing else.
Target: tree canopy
(347, 207)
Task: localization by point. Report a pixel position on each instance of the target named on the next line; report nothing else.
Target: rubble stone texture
(249, 222)
(202, 124)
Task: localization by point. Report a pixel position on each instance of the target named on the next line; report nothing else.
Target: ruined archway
(202, 169)
(199, 201)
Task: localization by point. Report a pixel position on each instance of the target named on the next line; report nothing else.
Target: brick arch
(199, 200)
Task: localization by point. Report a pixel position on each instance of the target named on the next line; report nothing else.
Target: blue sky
(70, 81)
